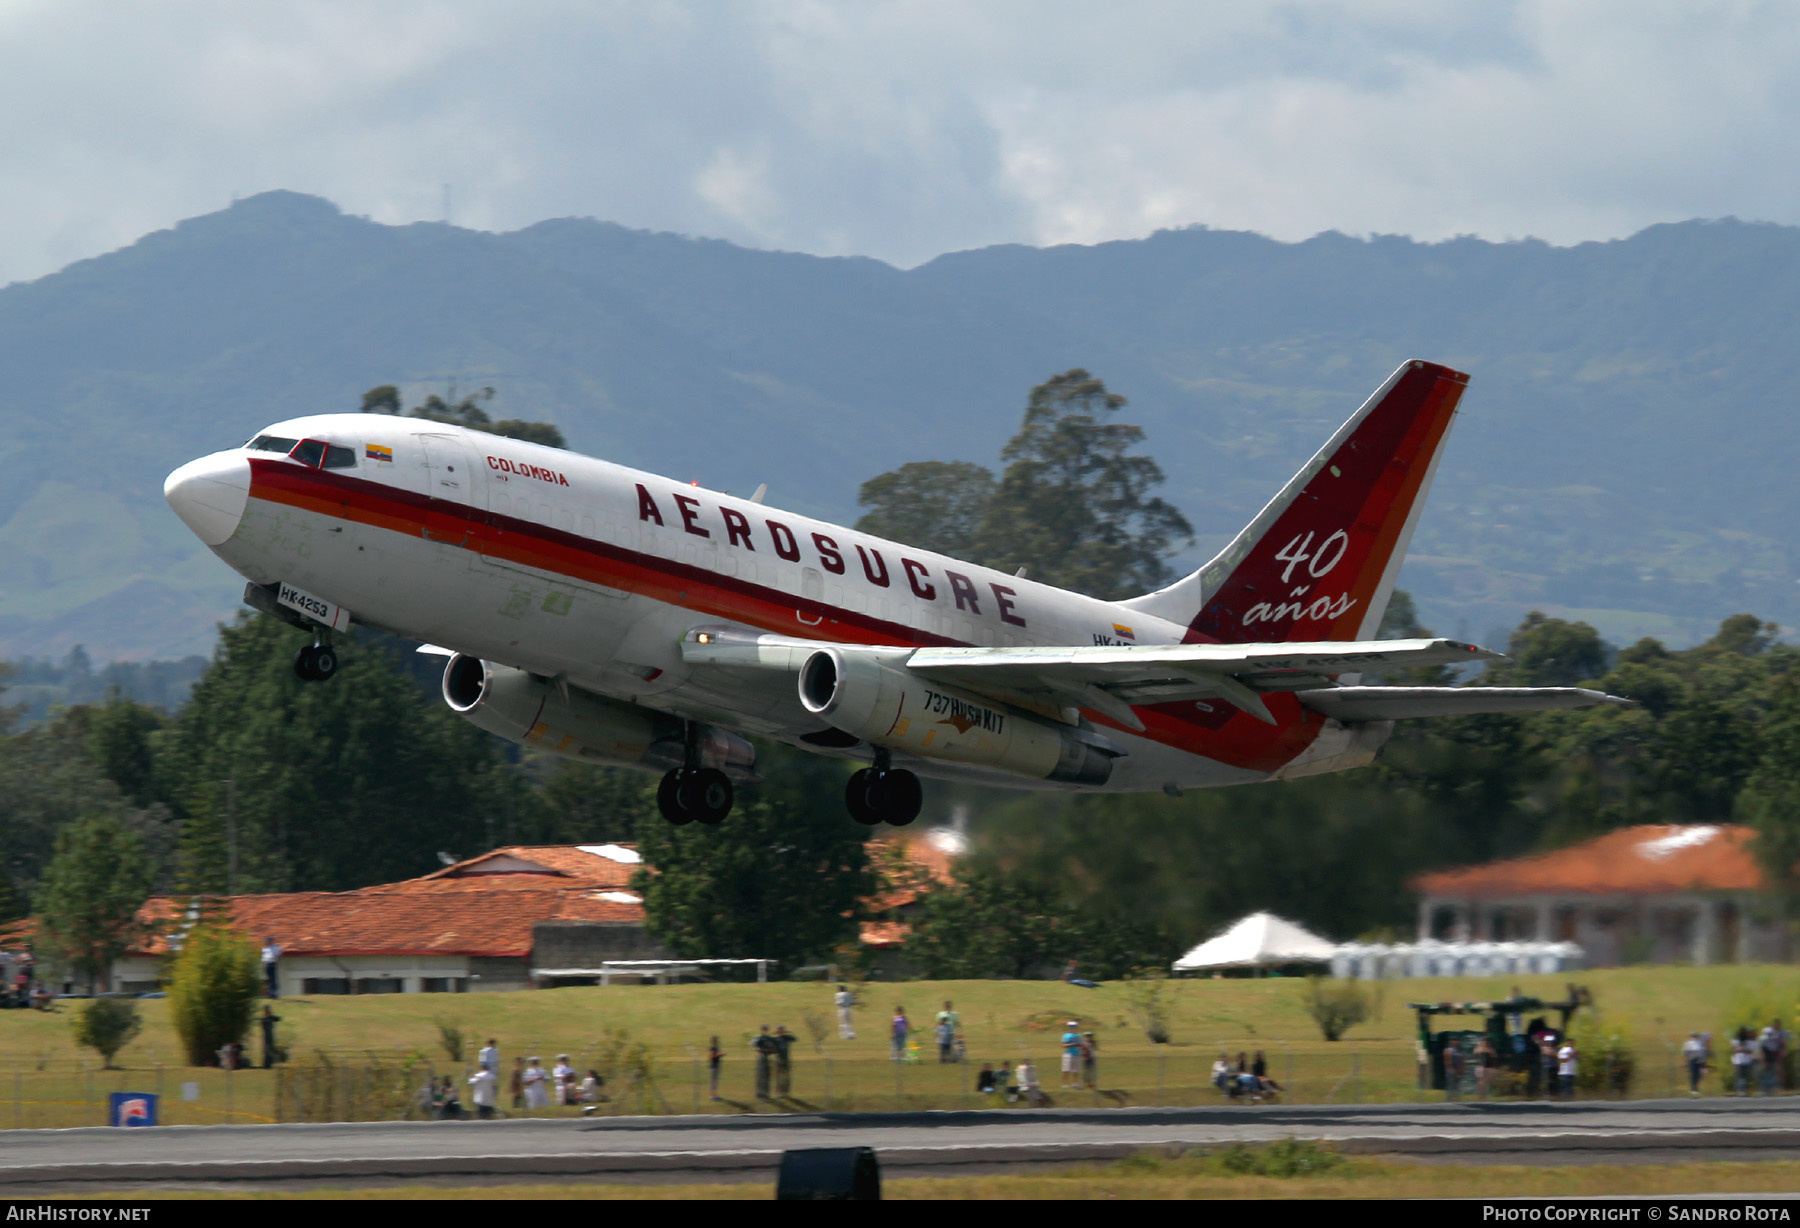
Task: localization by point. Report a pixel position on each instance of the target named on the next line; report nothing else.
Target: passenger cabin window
(271, 443)
(322, 455)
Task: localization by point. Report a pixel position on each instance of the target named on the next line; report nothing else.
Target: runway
(946, 1143)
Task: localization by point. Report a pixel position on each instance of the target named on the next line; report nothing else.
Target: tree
(783, 878)
(1770, 800)
(328, 786)
(88, 901)
(385, 399)
(990, 923)
(935, 505)
(583, 803)
(107, 1025)
(1074, 504)
(1552, 652)
(213, 985)
(1337, 1006)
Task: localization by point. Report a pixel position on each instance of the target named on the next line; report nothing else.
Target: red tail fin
(1318, 563)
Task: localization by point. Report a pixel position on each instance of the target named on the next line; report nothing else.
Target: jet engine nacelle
(575, 724)
(884, 703)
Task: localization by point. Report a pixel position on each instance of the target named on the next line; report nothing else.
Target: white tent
(1261, 940)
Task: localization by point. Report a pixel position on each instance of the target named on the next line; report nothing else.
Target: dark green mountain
(1623, 455)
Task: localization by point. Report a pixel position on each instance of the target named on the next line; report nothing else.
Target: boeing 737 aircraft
(617, 617)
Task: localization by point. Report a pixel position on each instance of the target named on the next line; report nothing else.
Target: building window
(380, 984)
(325, 984)
(444, 984)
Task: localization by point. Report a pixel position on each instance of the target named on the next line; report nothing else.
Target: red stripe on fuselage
(1221, 733)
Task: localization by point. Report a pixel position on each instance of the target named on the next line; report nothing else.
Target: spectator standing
(784, 1060)
(564, 1076)
(714, 1056)
(268, 1021)
(271, 965)
(948, 1017)
(537, 1094)
(1071, 1055)
(484, 1086)
(764, 1045)
(1454, 1069)
(1487, 1059)
(489, 1056)
(945, 1035)
(1743, 1057)
(843, 999)
(1694, 1053)
(898, 1029)
(1090, 1060)
(516, 1084)
(1770, 1054)
(1566, 1061)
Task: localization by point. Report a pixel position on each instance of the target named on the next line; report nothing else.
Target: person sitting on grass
(984, 1081)
(1029, 1090)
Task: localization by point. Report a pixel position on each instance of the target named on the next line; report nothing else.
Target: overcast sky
(900, 129)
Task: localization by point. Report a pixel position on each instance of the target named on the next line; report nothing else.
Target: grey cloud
(898, 130)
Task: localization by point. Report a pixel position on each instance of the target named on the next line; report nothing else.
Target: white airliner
(617, 617)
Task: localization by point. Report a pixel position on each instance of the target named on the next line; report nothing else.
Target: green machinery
(1510, 1026)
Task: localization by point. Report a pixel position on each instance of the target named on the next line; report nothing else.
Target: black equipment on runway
(847, 1173)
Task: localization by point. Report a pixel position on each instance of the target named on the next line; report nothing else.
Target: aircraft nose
(209, 495)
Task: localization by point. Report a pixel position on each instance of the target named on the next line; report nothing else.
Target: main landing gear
(316, 662)
(692, 793)
(883, 794)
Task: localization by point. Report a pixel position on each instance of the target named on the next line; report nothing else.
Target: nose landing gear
(316, 662)
(691, 793)
(883, 794)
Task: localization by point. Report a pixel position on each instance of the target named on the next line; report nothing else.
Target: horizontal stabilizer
(1392, 703)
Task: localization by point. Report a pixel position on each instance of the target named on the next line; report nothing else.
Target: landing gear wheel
(898, 797)
(315, 663)
(856, 797)
(666, 800)
(705, 793)
(874, 796)
(687, 794)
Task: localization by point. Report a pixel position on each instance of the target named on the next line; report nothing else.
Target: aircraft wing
(1109, 678)
(1391, 703)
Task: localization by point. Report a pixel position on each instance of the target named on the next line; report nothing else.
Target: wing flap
(1392, 703)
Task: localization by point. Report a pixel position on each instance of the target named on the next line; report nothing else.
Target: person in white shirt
(489, 1057)
(486, 1085)
(537, 1095)
(1565, 1067)
(1028, 1083)
(1743, 1057)
(271, 962)
(1696, 1053)
(843, 999)
(564, 1074)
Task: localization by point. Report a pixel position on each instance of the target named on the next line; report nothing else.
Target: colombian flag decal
(1124, 632)
(376, 451)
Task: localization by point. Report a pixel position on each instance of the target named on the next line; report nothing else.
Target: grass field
(51, 1083)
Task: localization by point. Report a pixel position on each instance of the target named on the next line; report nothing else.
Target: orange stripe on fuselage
(1223, 734)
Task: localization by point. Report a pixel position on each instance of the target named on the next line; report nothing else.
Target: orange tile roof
(485, 905)
(1647, 860)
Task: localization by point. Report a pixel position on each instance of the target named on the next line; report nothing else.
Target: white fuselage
(591, 573)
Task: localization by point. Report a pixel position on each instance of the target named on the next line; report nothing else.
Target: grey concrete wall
(588, 944)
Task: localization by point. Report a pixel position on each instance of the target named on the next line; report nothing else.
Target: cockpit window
(322, 455)
(271, 443)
